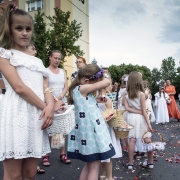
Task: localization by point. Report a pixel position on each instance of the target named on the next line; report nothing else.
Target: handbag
(168, 101)
(57, 141)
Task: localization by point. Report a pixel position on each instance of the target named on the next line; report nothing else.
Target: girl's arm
(129, 109)
(87, 88)
(48, 111)
(108, 103)
(144, 113)
(64, 91)
(17, 84)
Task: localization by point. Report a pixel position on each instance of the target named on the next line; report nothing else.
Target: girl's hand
(150, 128)
(140, 112)
(47, 114)
(58, 105)
(100, 99)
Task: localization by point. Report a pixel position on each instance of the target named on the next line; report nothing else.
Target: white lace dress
(20, 128)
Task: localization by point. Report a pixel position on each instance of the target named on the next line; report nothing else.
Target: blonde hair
(134, 85)
(6, 21)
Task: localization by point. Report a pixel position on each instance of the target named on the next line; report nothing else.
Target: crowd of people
(34, 93)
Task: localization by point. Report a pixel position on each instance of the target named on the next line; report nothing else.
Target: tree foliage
(168, 69)
(62, 35)
(40, 36)
(118, 71)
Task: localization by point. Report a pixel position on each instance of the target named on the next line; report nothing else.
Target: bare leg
(131, 146)
(12, 169)
(150, 157)
(102, 169)
(29, 168)
(84, 172)
(90, 171)
(108, 168)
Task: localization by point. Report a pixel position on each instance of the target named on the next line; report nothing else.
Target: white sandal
(145, 164)
(129, 166)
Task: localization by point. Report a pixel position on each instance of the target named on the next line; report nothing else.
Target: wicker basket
(109, 114)
(117, 120)
(123, 132)
(63, 123)
(156, 145)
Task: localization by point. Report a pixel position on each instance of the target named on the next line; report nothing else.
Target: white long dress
(121, 94)
(115, 141)
(149, 107)
(20, 128)
(161, 108)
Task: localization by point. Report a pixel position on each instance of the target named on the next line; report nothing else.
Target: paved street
(167, 164)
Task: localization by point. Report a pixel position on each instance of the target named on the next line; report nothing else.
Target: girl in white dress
(120, 95)
(24, 115)
(136, 99)
(162, 115)
(106, 165)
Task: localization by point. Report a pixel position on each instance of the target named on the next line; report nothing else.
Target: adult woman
(58, 83)
(80, 62)
(172, 107)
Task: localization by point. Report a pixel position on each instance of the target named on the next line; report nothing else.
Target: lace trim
(21, 155)
(38, 66)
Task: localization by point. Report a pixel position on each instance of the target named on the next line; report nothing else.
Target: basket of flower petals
(123, 130)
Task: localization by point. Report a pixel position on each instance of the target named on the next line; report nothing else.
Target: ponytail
(75, 83)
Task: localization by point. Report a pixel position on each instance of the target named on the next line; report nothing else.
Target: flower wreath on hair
(98, 75)
(14, 8)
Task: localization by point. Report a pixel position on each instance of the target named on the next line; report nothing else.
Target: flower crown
(98, 75)
(14, 8)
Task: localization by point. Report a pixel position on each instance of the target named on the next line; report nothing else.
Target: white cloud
(132, 31)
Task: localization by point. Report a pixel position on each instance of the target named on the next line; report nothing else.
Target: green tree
(168, 69)
(156, 79)
(118, 71)
(62, 35)
(40, 36)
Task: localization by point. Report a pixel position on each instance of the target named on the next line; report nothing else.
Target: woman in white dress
(26, 111)
(161, 99)
(59, 86)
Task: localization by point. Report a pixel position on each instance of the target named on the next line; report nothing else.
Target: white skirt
(116, 144)
(140, 126)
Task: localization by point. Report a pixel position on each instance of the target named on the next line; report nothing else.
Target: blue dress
(90, 140)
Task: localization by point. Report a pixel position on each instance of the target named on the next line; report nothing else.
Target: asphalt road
(166, 164)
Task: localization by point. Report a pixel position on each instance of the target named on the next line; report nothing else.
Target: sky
(142, 32)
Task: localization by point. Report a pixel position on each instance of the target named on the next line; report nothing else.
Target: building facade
(79, 10)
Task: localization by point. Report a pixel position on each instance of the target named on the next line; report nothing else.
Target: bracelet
(47, 90)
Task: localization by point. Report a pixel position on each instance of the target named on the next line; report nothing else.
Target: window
(34, 5)
(1, 1)
(83, 1)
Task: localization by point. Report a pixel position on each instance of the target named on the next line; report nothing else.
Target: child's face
(31, 50)
(162, 90)
(21, 31)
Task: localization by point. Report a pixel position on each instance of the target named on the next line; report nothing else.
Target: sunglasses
(78, 62)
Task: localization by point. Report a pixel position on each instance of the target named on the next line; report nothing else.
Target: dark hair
(86, 71)
(55, 51)
(31, 43)
(6, 21)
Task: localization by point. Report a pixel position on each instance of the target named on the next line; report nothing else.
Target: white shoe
(146, 165)
(129, 166)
